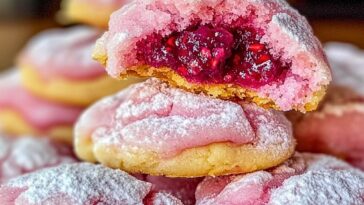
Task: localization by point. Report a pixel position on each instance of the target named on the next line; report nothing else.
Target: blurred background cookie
(22, 113)
(57, 66)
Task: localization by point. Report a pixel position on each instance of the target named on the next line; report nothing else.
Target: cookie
(79, 184)
(57, 65)
(22, 113)
(304, 179)
(152, 128)
(258, 51)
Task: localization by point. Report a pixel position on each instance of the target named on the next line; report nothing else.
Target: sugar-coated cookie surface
(304, 179)
(261, 51)
(28, 154)
(155, 129)
(23, 113)
(80, 184)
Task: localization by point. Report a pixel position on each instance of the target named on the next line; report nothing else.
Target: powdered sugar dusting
(80, 184)
(305, 179)
(327, 181)
(287, 33)
(155, 117)
(27, 154)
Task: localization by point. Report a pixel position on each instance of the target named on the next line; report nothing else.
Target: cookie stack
(53, 81)
(219, 71)
(208, 127)
(222, 73)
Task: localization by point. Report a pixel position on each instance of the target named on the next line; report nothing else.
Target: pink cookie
(57, 65)
(347, 62)
(305, 179)
(260, 51)
(335, 128)
(27, 154)
(23, 113)
(63, 53)
(155, 129)
(81, 184)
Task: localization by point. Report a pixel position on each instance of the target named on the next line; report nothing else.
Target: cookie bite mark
(206, 54)
(263, 52)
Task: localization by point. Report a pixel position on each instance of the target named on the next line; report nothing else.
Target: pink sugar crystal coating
(63, 53)
(27, 154)
(347, 62)
(80, 184)
(304, 179)
(153, 116)
(41, 114)
(283, 29)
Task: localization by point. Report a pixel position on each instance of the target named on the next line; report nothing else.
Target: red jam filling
(214, 55)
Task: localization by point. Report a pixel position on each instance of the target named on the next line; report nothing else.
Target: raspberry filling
(214, 55)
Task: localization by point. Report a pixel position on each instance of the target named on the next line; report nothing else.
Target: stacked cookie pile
(53, 81)
(208, 126)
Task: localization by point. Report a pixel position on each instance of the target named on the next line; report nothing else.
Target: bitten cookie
(57, 65)
(259, 51)
(22, 113)
(155, 129)
(304, 179)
